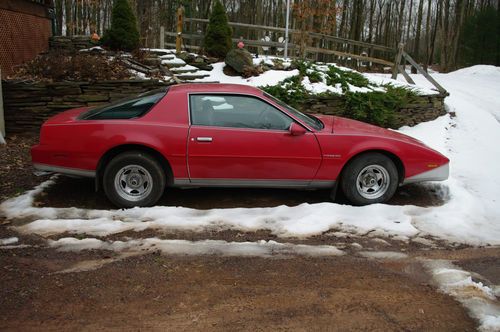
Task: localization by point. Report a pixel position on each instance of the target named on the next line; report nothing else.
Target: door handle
(204, 139)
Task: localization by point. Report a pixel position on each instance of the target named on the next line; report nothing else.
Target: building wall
(25, 28)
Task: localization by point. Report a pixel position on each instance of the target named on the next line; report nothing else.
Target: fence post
(162, 37)
(2, 120)
(397, 61)
(180, 19)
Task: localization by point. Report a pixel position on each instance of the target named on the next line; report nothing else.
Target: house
(25, 28)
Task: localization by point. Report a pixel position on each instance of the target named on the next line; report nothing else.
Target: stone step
(191, 76)
(167, 57)
(184, 69)
(173, 63)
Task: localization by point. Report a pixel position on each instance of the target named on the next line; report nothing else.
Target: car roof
(216, 87)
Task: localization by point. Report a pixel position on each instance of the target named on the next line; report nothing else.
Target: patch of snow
(174, 61)
(186, 67)
(479, 299)
(19, 246)
(205, 247)
(167, 56)
(356, 245)
(390, 255)
(353, 88)
(95, 48)
(138, 74)
(320, 87)
(383, 79)
(478, 70)
(90, 265)
(381, 241)
(270, 77)
(9, 240)
(160, 50)
(424, 241)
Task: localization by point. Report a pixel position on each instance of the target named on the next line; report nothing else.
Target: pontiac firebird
(228, 135)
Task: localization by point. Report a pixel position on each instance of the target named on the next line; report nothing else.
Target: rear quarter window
(128, 108)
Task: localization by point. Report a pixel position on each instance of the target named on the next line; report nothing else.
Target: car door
(238, 139)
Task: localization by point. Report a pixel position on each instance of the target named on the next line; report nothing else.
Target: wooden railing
(342, 49)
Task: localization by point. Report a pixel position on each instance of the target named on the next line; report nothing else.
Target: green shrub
(123, 34)
(218, 37)
(290, 91)
(376, 107)
(345, 77)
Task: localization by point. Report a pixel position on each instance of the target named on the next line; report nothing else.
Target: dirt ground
(154, 291)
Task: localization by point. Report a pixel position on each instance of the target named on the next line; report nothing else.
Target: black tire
(367, 168)
(144, 172)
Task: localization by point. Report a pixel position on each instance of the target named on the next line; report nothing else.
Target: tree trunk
(459, 14)
(427, 35)
(416, 46)
(408, 28)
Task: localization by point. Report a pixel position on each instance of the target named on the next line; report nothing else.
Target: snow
(95, 48)
(205, 247)
(160, 50)
(270, 77)
(2, 140)
(383, 79)
(470, 214)
(479, 299)
(174, 61)
(184, 68)
(320, 87)
(9, 240)
(389, 255)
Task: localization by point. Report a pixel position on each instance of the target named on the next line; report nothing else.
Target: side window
(237, 112)
(126, 108)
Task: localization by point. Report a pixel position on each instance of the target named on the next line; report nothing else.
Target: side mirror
(296, 129)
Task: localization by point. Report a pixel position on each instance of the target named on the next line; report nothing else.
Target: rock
(211, 60)
(239, 60)
(152, 61)
(187, 57)
(203, 66)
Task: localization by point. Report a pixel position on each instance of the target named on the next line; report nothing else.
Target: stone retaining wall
(70, 43)
(27, 105)
(420, 109)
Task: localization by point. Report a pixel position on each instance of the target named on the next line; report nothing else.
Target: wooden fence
(303, 44)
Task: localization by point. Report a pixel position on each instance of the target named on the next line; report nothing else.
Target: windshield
(128, 108)
(308, 119)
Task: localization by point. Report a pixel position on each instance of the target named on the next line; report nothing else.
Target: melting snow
(391, 255)
(206, 247)
(9, 240)
(479, 299)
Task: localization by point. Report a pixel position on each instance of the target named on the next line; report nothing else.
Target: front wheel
(134, 179)
(369, 178)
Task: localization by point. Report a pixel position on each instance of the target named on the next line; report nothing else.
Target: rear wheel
(369, 178)
(134, 179)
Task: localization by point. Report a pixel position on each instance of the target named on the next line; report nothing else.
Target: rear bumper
(63, 170)
(437, 174)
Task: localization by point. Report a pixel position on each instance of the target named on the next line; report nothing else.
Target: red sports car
(227, 135)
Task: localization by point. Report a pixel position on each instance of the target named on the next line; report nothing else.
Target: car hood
(343, 126)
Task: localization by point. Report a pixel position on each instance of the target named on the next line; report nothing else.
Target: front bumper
(437, 174)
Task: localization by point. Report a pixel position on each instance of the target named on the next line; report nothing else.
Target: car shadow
(80, 193)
